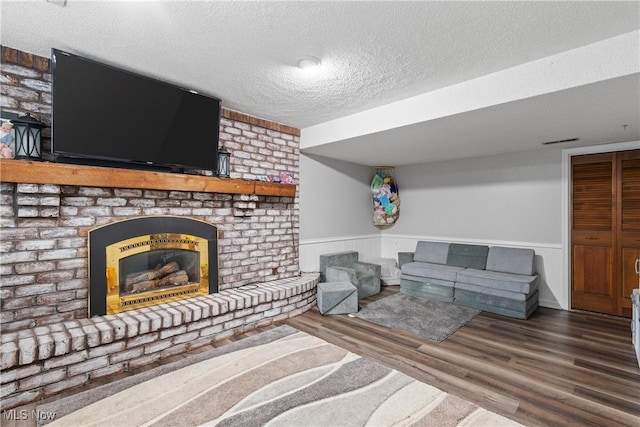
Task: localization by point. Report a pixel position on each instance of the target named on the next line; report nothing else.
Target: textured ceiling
(372, 53)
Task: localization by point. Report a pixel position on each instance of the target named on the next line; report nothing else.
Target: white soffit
(398, 123)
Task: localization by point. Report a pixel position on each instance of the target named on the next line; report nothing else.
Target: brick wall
(43, 274)
(43, 239)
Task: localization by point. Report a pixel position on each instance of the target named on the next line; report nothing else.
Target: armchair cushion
(367, 284)
(368, 268)
(341, 274)
(345, 267)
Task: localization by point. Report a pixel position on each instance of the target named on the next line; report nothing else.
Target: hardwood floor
(558, 368)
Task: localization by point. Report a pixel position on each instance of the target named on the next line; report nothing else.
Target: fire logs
(167, 275)
(148, 275)
(174, 279)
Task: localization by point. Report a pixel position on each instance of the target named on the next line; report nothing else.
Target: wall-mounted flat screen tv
(105, 115)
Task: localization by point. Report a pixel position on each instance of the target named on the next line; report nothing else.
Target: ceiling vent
(560, 141)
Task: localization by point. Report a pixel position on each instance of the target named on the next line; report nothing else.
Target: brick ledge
(45, 342)
(45, 361)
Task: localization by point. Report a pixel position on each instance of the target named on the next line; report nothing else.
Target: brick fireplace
(49, 341)
(45, 229)
(48, 212)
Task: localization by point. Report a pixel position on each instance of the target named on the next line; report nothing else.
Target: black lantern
(28, 137)
(224, 158)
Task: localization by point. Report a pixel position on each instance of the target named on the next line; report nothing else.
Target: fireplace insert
(151, 260)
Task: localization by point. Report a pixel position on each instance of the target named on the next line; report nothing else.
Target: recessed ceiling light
(308, 63)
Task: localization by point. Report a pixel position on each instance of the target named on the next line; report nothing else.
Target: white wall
(518, 200)
(335, 210)
(511, 197)
(509, 200)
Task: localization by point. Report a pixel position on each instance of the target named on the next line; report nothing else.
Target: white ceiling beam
(607, 59)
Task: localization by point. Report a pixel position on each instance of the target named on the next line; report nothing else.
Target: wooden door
(629, 220)
(592, 249)
(605, 231)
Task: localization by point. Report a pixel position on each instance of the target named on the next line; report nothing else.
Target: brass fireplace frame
(116, 241)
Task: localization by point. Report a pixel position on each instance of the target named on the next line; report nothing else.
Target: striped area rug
(293, 380)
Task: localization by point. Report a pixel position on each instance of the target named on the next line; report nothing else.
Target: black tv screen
(105, 115)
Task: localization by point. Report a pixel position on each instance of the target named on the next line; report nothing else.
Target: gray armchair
(345, 267)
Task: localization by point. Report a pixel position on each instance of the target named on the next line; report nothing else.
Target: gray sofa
(497, 279)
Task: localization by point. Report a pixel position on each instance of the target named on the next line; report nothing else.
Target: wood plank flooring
(558, 368)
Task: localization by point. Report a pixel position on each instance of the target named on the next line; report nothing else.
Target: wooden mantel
(24, 171)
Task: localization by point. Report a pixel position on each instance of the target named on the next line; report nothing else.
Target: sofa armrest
(404, 258)
(368, 268)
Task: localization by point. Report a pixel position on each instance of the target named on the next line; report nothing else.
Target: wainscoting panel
(310, 250)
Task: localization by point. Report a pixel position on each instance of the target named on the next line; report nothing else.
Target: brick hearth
(40, 362)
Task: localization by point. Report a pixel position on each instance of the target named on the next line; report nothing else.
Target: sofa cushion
(427, 290)
(498, 305)
(511, 260)
(430, 270)
(518, 296)
(434, 252)
(424, 280)
(469, 256)
(497, 280)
